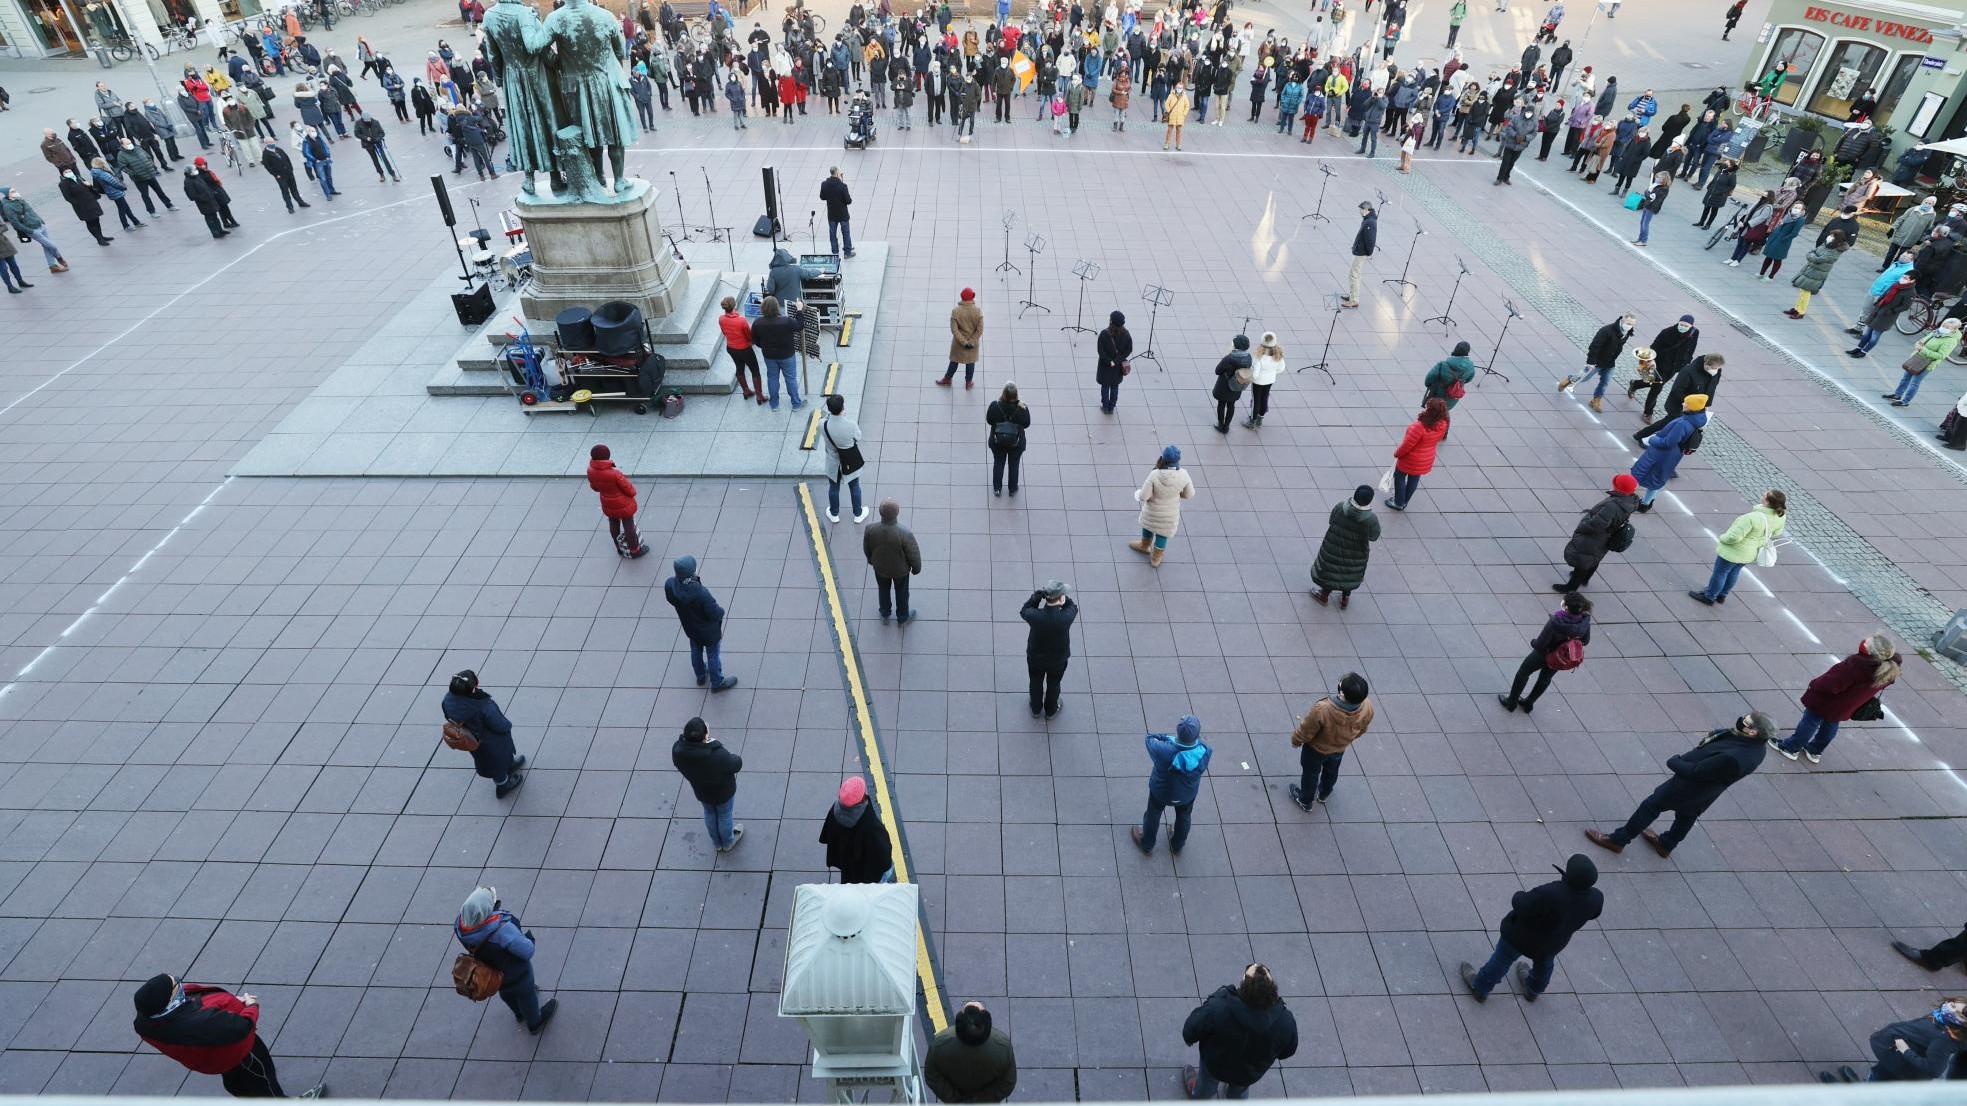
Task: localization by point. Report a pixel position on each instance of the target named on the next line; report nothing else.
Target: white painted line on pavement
(1791, 615)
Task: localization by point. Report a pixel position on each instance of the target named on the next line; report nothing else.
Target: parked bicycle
(1924, 314)
(122, 48)
(1733, 227)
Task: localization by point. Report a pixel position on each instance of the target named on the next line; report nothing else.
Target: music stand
(1445, 319)
(1335, 303)
(1034, 245)
(1010, 218)
(1489, 369)
(1318, 212)
(1411, 246)
(1085, 271)
(1156, 298)
(1246, 311)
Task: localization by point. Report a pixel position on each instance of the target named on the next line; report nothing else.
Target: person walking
(211, 1031)
(702, 621)
(1929, 351)
(1160, 497)
(1048, 643)
(20, 216)
(487, 731)
(1364, 241)
(776, 335)
(1114, 348)
(1602, 356)
(1606, 527)
(1413, 458)
(617, 502)
(1700, 776)
(969, 1060)
(1917, 1050)
(1241, 1030)
(1742, 543)
(1233, 374)
(1664, 450)
(1540, 923)
(737, 342)
(712, 772)
(1008, 419)
(87, 206)
(1324, 734)
(1558, 647)
(495, 937)
(1267, 365)
(844, 459)
(835, 194)
(280, 168)
(894, 555)
(1843, 692)
(1178, 762)
(1448, 380)
(1174, 113)
(857, 843)
(1350, 531)
(966, 325)
(1816, 271)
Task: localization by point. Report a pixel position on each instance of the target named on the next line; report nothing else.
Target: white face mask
(1684, 327)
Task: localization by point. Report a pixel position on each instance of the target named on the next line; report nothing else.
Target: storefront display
(1841, 59)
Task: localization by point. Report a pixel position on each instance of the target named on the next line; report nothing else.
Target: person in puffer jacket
(1179, 759)
(617, 502)
(495, 937)
(1242, 1031)
(211, 1031)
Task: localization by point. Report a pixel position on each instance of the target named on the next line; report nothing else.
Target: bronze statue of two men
(565, 71)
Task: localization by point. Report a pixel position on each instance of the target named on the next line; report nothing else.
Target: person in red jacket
(1413, 458)
(213, 1032)
(617, 502)
(737, 342)
(1834, 697)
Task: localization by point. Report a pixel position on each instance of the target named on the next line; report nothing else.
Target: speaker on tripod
(768, 225)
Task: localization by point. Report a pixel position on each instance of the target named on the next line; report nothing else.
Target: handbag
(459, 738)
(851, 460)
(1916, 364)
(1765, 557)
(1386, 483)
(1569, 654)
(1127, 367)
(1871, 710)
(1634, 199)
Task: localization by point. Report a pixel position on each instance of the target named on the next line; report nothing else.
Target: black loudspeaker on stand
(768, 225)
(473, 306)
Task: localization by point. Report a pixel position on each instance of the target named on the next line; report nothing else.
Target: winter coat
(966, 325)
(1857, 145)
(501, 943)
(1226, 388)
(1607, 344)
(201, 194)
(1350, 532)
(480, 714)
(835, 194)
(1542, 920)
(1160, 497)
(617, 494)
(1655, 196)
(1911, 228)
(1001, 412)
(1669, 131)
(891, 550)
(838, 432)
(1367, 237)
(784, 277)
(57, 153)
(1632, 159)
(1719, 188)
(1375, 113)
(1240, 1044)
(1674, 349)
(1517, 134)
(1049, 642)
(1178, 767)
(1842, 688)
(1114, 346)
(1702, 773)
(136, 164)
(1776, 246)
(1816, 269)
(81, 199)
(1932, 1052)
(1932, 349)
(106, 185)
(696, 609)
(1415, 453)
(84, 146)
(1750, 531)
(20, 214)
(211, 1031)
(711, 769)
(1329, 728)
(1293, 96)
(1694, 380)
(1656, 466)
(857, 843)
(1119, 96)
(957, 1072)
(309, 106)
(1589, 541)
(275, 161)
(1560, 627)
(1601, 149)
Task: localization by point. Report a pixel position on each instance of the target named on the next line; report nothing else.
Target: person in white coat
(1160, 497)
(1264, 370)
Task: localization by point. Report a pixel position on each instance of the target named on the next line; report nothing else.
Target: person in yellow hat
(1665, 448)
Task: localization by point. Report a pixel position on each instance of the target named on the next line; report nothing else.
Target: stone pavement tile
(1687, 1027)
(87, 1073)
(62, 1015)
(1038, 966)
(1713, 1074)
(1517, 1077)
(1449, 1043)
(1050, 1084)
(491, 1078)
(1370, 1031)
(1048, 1023)
(152, 1074)
(1108, 1032)
(417, 1078)
(26, 1072)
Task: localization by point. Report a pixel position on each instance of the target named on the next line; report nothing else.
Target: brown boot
(1139, 546)
(1597, 403)
(1154, 558)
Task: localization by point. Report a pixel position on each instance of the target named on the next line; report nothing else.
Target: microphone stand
(1411, 247)
(1318, 212)
(1324, 362)
(710, 197)
(1445, 318)
(1488, 370)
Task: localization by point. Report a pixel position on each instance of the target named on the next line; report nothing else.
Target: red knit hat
(1624, 484)
(969, 294)
(852, 791)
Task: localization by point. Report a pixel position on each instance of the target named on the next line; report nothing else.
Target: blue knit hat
(1172, 454)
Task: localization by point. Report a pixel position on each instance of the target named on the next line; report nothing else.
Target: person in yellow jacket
(1175, 111)
(1336, 87)
(1742, 542)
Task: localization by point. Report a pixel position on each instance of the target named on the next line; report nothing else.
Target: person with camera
(1048, 647)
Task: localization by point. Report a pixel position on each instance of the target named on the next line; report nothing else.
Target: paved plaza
(219, 748)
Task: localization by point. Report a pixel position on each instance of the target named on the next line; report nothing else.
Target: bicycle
(1923, 316)
(229, 146)
(1733, 228)
(1753, 105)
(124, 48)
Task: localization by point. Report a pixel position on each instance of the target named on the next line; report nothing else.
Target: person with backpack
(617, 502)
(1448, 380)
(1178, 761)
(1540, 923)
(211, 1031)
(1700, 776)
(1742, 544)
(1324, 734)
(1605, 528)
(1008, 418)
(845, 461)
(498, 958)
(1233, 374)
(712, 773)
(474, 724)
(1558, 647)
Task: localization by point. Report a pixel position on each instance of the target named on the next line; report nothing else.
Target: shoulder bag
(1765, 557)
(851, 460)
(475, 979)
(459, 738)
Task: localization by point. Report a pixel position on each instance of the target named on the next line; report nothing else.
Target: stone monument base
(585, 254)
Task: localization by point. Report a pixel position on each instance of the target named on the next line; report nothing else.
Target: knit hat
(154, 995)
(969, 294)
(478, 906)
(1686, 318)
(1117, 319)
(1579, 871)
(599, 453)
(1695, 402)
(1189, 730)
(852, 790)
(1363, 494)
(1241, 341)
(1171, 454)
(1624, 484)
(685, 566)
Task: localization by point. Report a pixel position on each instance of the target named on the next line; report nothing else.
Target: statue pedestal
(585, 254)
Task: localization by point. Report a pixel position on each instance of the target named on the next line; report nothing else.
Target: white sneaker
(1777, 746)
(1813, 758)
(860, 515)
(832, 517)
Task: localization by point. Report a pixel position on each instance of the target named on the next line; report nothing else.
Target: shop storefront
(57, 28)
(1905, 56)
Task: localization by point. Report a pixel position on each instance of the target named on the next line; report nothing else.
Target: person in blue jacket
(495, 937)
(495, 758)
(1664, 449)
(703, 623)
(1179, 759)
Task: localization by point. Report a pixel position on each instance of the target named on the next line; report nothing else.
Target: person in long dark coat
(1700, 776)
(1350, 532)
(856, 842)
(1593, 537)
(219, 194)
(1115, 347)
(1673, 349)
(82, 200)
(199, 192)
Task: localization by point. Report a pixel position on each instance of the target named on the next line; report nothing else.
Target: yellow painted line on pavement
(877, 766)
(819, 406)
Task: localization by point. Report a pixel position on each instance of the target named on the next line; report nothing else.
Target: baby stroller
(860, 122)
(1547, 33)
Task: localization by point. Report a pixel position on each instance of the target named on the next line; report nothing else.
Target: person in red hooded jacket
(1413, 458)
(617, 501)
(213, 1032)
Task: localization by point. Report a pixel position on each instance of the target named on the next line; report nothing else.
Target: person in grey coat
(1370, 118)
(844, 459)
(1515, 139)
(1816, 271)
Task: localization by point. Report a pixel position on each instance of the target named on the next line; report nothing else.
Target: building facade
(56, 28)
(1906, 56)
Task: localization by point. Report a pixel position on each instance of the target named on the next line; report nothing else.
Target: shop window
(1853, 68)
(1799, 48)
(1895, 86)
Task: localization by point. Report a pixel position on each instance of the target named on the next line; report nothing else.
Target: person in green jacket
(1456, 15)
(1741, 543)
(1350, 533)
(1816, 270)
(1452, 372)
(1930, 351)
(969, 1061)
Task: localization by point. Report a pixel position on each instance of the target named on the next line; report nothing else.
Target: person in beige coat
(1161, 498)
(1323, 735)
(965, 339)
